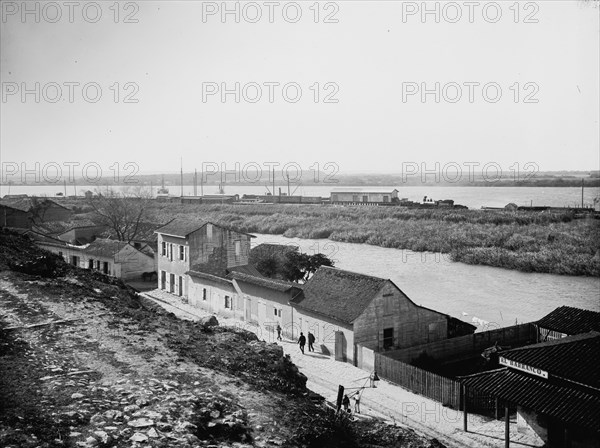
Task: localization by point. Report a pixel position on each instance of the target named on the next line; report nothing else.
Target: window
(163, 280)
(172, 283)
(98, 264)
(277, 312)
(180, 286)
(75, 260)
(90, 264)
(386, 198)
(60, 253)
(354, 198)
(334, 197)
(105, 269)
(204, 293)
(227, 302)
(171, 251)
(388, 304)
(238, 248)
(388, 338)
(365, 198)
(164, 249)
(182, 253)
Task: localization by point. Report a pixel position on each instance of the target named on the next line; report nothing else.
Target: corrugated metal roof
(573, 358)
(568, 404)
(570, 320)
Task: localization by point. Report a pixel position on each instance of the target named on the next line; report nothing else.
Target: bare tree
(123, 212)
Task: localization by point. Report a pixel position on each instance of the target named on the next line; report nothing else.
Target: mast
(181, 175)
(195, 182)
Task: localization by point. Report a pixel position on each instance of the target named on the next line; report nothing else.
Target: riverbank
(553, 243)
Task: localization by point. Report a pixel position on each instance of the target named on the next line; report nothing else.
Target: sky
(382, 85)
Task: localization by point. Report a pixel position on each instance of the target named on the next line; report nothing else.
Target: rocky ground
(86, 362)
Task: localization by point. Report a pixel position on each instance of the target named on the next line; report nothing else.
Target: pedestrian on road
(357, 402)
(302, 342)
(346, 403)
(279, 332)
(311, 341)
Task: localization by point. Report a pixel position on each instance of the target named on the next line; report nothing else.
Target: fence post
(464, 398)
(506, 427)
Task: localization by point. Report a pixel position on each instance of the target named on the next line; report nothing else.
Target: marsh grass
(526, 241)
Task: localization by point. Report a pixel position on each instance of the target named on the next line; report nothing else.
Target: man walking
(311, 341)
(279, 332)
(357, 402)
(302, 342)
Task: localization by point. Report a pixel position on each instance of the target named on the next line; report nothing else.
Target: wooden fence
(465, 347)
(446, 391)
(439, 388)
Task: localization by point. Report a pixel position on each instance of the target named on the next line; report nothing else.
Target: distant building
(110, 257)
(81, 235)
(25, 212)
(364, 196)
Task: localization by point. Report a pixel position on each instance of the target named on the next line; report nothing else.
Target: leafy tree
(286, 262)
(299, 267)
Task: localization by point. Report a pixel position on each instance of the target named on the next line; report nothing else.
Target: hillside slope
(84, 361)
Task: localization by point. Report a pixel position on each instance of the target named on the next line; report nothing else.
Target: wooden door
(340, 346)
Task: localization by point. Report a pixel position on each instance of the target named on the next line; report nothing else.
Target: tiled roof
(180, 227)
(573, 358)
(246, 269)
(570, 320)
(104, 248)
(570, 405)
(26, 204)
(277, 285)
(342, 295)
(41, 238)
(207, 275)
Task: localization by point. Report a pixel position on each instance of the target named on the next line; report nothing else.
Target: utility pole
(581, 193)
(202, 183)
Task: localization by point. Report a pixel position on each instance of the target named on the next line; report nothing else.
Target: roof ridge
(333, 268)
(556, 342)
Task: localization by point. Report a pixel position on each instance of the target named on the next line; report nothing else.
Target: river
(472, 197)
(487, 296)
